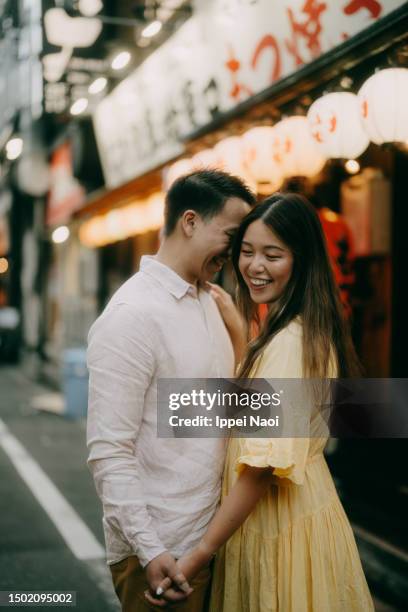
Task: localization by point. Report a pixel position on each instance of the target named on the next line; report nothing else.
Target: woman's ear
(189, 222)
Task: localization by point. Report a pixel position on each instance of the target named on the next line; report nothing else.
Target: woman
(283, 538)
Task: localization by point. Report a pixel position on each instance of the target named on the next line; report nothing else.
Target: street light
(60, 235)
(152, 29)
(3, 265)
(90, 8)
(79, 106)
(352, 166)
(97, 85)
(14, 148)
(121, 60)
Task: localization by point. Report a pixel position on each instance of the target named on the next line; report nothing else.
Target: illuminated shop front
(238, 80)
(281, 97)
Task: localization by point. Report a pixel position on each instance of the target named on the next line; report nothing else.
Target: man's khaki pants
(130, 584)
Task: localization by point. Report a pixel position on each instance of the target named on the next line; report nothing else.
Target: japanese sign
(227, 52)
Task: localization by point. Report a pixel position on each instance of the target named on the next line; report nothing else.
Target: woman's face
(265, 263)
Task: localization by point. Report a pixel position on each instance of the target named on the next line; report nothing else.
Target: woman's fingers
(220, 295)
(217, 290)
(165, 594)
(161, 603)
(181, 581)
(170, 596)
(163, 586)
(217, 297)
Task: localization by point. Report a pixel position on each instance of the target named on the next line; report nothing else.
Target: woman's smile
(257, 284)
(265, 263)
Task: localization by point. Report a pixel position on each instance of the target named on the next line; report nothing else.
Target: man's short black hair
(204, 191)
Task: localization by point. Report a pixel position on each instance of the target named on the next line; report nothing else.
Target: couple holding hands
(248, 524)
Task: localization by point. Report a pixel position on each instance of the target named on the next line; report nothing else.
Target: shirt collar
(167, 277)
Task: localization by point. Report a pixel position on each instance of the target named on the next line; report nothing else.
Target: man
(159, 494)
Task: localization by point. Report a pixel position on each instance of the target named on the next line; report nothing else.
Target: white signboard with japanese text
(227, 52)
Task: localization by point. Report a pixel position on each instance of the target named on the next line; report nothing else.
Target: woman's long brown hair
(311, 291)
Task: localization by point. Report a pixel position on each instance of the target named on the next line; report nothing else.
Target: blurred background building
(104, 103)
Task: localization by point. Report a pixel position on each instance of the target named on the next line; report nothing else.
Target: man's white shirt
(158, 494)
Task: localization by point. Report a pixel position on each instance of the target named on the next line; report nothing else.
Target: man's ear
(189, 222)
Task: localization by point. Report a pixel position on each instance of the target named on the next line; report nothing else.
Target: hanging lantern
(259, 162)
(231, 157)
(294, 148)
(207, 158)
(67, 32)
(384, 105)
(230, 153)
(175, 171)
(335, 125)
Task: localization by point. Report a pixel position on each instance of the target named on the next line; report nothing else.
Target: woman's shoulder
(294, 328)
(282, 356)
(292, 333)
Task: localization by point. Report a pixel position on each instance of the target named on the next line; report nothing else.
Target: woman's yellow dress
(296, 551)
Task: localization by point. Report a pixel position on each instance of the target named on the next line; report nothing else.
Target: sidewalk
(35, 554)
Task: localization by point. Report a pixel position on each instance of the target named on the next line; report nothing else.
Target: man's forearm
(125, 511)
(121, 363)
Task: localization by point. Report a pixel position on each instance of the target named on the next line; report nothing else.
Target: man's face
(212, 238)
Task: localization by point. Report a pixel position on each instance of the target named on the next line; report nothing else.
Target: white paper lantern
(55, 64)
(90, 8)
(33, 173)
(65, 31)
(336, 127)
(384, 105)
(175, 171)
(259, 161)
(207, 158)
(294, 148)
(230, 152)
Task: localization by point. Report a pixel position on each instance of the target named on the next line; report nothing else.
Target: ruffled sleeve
(287, 457)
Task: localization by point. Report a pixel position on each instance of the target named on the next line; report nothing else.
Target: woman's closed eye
(248, 253)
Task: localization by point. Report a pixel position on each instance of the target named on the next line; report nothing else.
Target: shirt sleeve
(121, 363)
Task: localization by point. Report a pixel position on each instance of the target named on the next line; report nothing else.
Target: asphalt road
(50, 517)
(33, 553)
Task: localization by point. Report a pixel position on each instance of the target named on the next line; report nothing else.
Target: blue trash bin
(75, 382)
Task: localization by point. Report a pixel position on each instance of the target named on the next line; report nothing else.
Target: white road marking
(99, 573)
(76, 534)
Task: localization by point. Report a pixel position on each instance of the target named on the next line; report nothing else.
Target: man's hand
(162, 567)
(189, 564)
